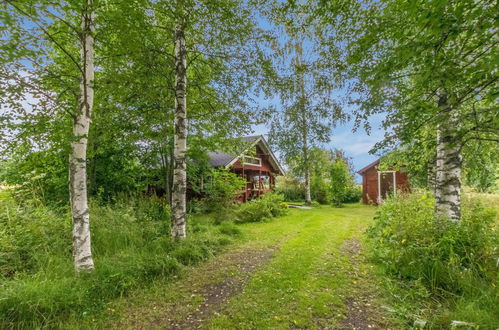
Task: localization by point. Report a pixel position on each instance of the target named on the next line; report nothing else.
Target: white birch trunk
(306, 162)
(180, 137)
(448, 170)
(82, 253)
(308, 198)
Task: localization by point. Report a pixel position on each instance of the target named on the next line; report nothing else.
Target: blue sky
(355, 144)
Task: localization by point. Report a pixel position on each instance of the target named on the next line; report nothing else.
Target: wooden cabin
(377, 185)
(256, 163)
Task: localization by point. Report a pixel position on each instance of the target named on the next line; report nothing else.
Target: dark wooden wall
(370, 186)
(402, 181)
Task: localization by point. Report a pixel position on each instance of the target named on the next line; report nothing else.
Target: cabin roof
(368, 167)
(219, 158)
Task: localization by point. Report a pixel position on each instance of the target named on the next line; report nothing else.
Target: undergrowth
(439, 272)
(131, 247)
(266, 207)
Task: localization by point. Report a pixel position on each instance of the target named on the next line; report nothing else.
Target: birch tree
(219, 37)
(82, 252)
(179, 197)
(430, 67)
(41, 46)
(305, 86)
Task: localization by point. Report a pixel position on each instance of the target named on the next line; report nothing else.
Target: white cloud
(357, 143)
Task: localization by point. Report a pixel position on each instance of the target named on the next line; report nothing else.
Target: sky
(355, 144)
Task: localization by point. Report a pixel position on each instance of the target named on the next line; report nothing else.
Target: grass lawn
(302, 270)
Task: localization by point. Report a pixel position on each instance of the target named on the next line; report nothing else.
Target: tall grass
(448, 267)
(131, 247)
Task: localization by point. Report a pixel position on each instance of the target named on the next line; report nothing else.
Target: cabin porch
(258, 183)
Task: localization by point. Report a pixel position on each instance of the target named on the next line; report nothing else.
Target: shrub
(264, 208)
(444, 255)
(319, 190)
(229, 228)
(340, 181)
(291, 189)
(353, 194)
(221, 191)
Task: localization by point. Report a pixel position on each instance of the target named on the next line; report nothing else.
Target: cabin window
(266, 182)
(252, 161)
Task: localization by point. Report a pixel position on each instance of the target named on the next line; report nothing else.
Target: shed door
(386, 183)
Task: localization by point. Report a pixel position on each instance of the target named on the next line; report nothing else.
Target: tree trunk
(303, 106)
(308, 198)
(165, 171)
(448, 167)
(82, 253)
(180, 137)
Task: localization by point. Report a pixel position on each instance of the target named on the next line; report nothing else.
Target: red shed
(376, 184)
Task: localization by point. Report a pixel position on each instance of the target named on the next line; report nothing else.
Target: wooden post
(245, 197)
(259, 182)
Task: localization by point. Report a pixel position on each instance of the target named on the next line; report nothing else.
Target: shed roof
(368, 167)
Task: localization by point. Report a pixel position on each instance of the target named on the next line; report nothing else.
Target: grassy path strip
(362, 302)
(186, 304)
(186, 301)
(305, 284)
(298, 271)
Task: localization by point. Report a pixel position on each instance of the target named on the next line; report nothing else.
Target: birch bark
(308, 197)
(303, 102)
(306, 161)
(82, 253)
(180, 137)
(448, 166)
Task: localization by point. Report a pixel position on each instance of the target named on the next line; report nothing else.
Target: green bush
(444, 255)
(319, 190)
(353, 194)
(131, 247)
(291, 189)
(221, 191)
(342, 188)
(264, 208)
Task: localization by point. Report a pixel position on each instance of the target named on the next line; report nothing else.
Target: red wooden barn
(377, 185)
(255, 162)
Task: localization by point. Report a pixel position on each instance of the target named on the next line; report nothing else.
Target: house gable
(256, 147)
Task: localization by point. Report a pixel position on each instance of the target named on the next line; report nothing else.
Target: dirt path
(188, 303)
(217, 294)
(362, 310)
